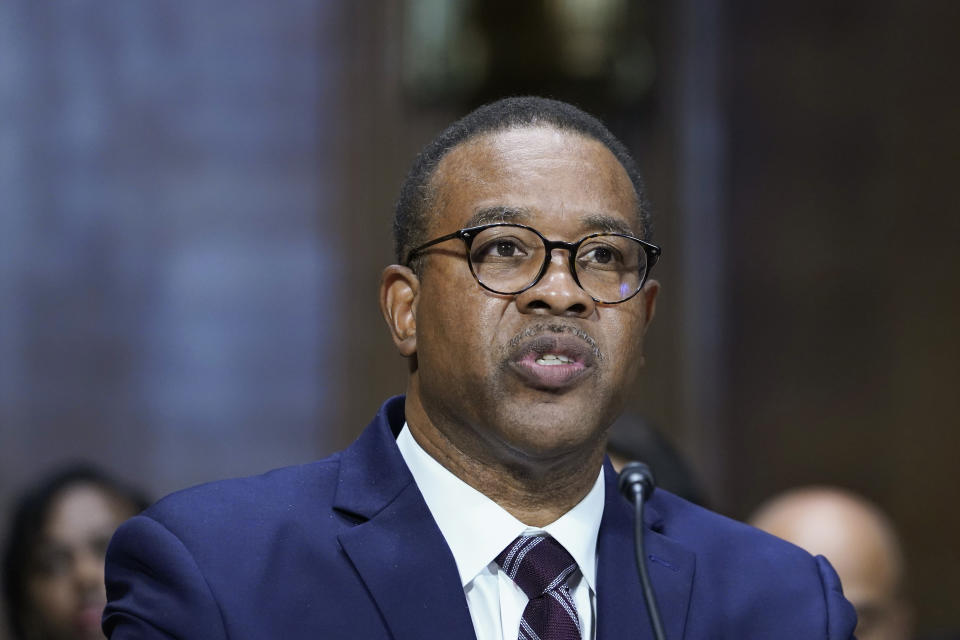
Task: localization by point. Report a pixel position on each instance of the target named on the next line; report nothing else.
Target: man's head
(860, 543)
(418, 192)
(530, 379)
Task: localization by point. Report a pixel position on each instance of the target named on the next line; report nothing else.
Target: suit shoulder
(712, 535)
(282, 494)
(762, 583)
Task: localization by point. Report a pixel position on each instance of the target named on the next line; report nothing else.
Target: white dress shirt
(477, 529)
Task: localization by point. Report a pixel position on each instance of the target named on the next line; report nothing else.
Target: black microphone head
(636, 477)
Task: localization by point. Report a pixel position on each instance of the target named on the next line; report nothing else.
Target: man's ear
(399, 288)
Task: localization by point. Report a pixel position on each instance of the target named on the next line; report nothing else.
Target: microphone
(636, 484)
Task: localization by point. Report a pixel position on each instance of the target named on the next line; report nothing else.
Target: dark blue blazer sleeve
(171, 598)
(841, 617)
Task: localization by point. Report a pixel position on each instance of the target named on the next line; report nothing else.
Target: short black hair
(29, 518)
(410, 217)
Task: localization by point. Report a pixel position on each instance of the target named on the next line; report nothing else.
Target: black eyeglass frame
(469, 234)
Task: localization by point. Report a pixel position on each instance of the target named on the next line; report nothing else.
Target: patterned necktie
(540, 566)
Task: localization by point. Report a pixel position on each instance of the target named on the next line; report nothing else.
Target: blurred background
(195, 206)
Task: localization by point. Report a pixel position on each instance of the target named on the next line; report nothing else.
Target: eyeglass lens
(508, 259)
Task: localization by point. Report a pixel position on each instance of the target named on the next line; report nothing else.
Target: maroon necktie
(540, 566)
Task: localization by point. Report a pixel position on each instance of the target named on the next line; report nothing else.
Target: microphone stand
(636, 483)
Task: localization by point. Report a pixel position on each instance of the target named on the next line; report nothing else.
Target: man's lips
(552, 362)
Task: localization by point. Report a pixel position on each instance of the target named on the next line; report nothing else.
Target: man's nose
(557, 292)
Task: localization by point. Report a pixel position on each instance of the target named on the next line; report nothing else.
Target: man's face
(487, 364)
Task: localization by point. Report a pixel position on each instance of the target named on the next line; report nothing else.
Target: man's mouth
(552, 361)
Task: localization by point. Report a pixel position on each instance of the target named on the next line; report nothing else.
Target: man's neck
(534, 491)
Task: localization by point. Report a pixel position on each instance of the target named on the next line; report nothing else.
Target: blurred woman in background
(53, 565)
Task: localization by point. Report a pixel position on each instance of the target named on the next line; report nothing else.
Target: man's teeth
(551, 359)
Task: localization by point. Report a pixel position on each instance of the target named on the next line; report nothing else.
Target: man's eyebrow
(597, 222)
(498, 214)
(601, 222)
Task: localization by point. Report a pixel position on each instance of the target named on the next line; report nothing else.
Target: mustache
(535, 330)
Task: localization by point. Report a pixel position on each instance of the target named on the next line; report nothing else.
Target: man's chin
(550, 431)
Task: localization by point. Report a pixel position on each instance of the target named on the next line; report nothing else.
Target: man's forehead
(519, 141)
(498, 164)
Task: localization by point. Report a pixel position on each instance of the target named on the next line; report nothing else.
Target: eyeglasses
(510, 258)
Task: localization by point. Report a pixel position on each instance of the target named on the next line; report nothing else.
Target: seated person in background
(633, 438)
(859, 541)
(53, 563)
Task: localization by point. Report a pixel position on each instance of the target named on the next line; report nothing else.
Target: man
(861, 543)
(480, 504)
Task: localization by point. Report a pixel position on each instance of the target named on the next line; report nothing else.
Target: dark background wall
(195, 210)
(165, 269)
(165, 260)
(843, 228)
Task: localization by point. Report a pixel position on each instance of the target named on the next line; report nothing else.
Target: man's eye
(600, 255)
(501, 248)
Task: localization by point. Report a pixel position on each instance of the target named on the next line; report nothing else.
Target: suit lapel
(398, 551)
(620, 605)
(400, 554)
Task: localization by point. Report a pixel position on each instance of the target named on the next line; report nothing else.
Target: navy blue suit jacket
(346, 548)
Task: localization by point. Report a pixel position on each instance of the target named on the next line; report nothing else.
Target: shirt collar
(477, 529)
